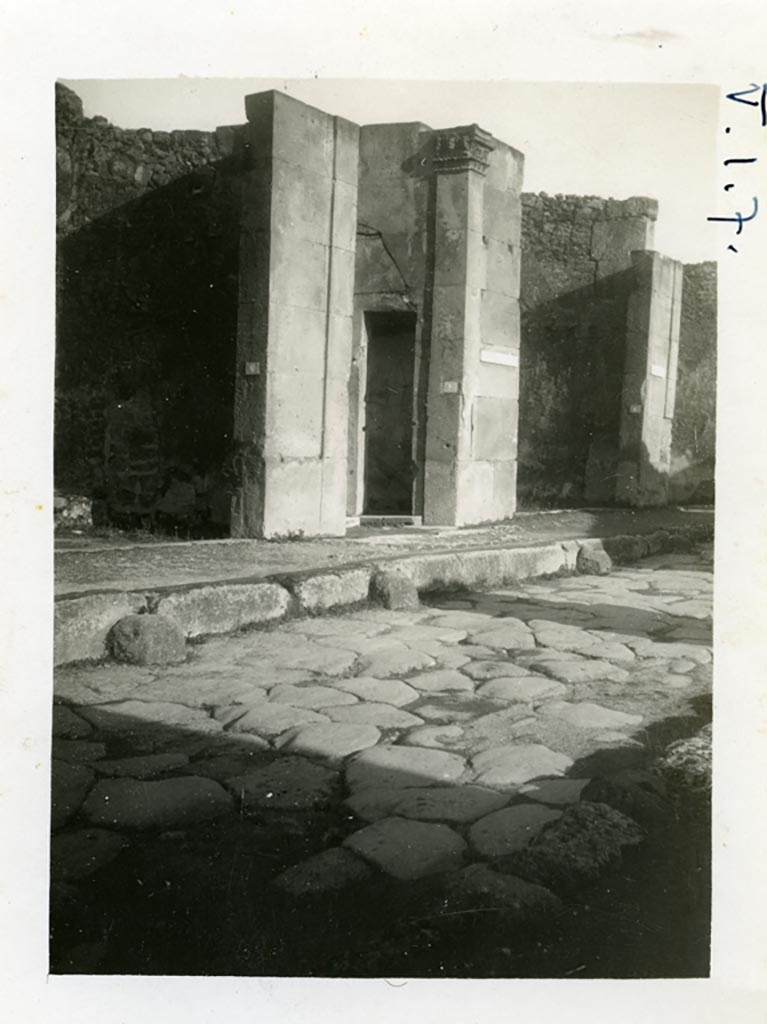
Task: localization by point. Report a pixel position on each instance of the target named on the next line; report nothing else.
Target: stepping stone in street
(69, 785)
(384, 716)
(510, 766)
(169, 803)
(331, 742)
(399, 767)
(484, 670)
(75, 855)
(441, 681)
(271, 720)
(437, 736)
(328, 871)
(554, 791)
(523, 690)
(145, 767)
(287, 784)
(380, 691)
(590, 716)
(479, 886)
(67, 725)
(313, 697)
(408, 850)
(508, 830)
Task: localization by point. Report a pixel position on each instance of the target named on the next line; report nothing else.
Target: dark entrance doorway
(389, 466)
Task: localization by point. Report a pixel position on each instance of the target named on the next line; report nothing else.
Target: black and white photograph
(382, 449)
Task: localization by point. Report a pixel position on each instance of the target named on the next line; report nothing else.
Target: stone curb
(82, 622)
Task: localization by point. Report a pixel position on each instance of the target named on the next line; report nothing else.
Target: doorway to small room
(389, 411)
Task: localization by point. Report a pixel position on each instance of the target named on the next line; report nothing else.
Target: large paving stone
(68, 725)
(485, 670)
(456, 706)
(510, 766)
(437, 736)
(271, 720)
(288, 783)
(331, 742)
(384, 716)
(554, 791)
(479, 886)
(379, 691)
(508, 830)
(393, 659)
(453, 804)
(75, 855)
(69, 786)
(136, 717)
(574, 668)
(577, 847)
(78, 751)
(309, 696)
(169, 803)
(441, 681)
(494, 730)
(673, 650)
(402, 766)
(527, 689)
(147, 640)
(589, 716)
(408, 850)
(328, 871)
(508, 635)
(202, 611)
(145, 767)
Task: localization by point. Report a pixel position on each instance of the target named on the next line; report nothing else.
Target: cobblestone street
(464, 788)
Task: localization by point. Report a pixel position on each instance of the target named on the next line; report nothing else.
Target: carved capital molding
(466, 148)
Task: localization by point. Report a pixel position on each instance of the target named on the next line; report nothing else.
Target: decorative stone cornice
(461, 149)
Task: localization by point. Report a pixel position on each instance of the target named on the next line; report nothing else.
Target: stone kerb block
(326, 590)
(147, 640)
(203, 611)
(81, 624)
(393, 590)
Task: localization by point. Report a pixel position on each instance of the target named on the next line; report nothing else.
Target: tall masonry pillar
(649, 381)
(296, 293)
(473, 391)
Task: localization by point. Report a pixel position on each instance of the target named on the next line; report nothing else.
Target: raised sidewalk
(214, 587)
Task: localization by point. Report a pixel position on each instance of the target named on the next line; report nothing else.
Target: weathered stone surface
(204, 611)
(456, 706)
(554, 791)
(170, 803)
(593, 561)
(686, 764)
(394, 590)
(78, 751)
(590, 716)
(147, 640)
(370, 713)
(509, 767)
(76, 855)
(438, 736)
(69, 785)
(576, 669)
(455, 804)
(380, 691)
(271, 720)
(479, 886)
(136, 717)
(332, 742)
(328, 871)
(496, 729)
(393, 659)
(312, 697)
(402, 766)
(509, 634)
(81, 624)
(530, 688)
(484, 670)
(577, 847)
(508, 830)
(441, 681)
(229, 761)
(68, 725)
(326, 590)
(657, 649)
(145, 767)
(288, 783)
(408, 850)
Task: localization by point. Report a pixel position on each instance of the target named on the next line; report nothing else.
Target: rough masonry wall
(575, 283)
(694, 433)
(147, 268)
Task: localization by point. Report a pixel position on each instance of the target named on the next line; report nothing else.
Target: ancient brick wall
(693, 437)
(147, 277)
(575, 283)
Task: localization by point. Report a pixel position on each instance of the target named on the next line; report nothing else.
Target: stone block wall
(147, 278)
(694, 432)
(576, 280)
